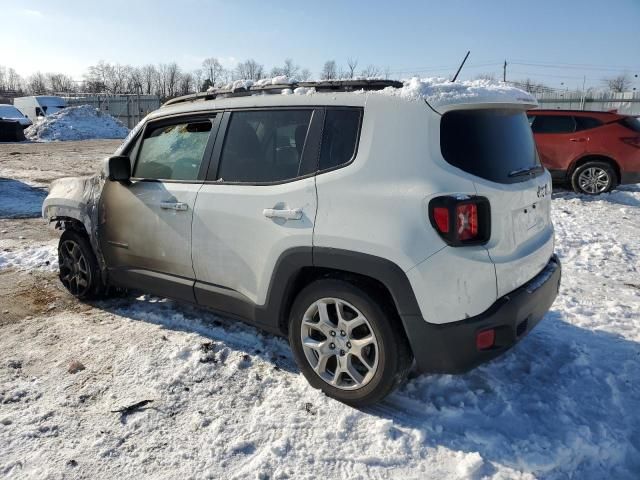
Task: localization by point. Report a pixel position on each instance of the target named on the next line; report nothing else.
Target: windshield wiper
(521, 172)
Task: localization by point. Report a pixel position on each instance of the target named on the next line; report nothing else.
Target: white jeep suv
(371, 223)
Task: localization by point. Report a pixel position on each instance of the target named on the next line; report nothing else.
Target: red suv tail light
(461, 220)
(633, 141)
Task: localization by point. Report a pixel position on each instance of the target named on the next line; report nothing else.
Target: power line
(573, 66)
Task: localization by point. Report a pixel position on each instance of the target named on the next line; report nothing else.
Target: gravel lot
(228, 401)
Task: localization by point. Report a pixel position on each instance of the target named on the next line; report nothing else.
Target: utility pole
(504, 72)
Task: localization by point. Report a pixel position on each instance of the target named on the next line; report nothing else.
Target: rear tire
(346, 343)
(594, 178)
(78, 265)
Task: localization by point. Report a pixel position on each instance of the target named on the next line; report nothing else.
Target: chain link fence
(627, 103)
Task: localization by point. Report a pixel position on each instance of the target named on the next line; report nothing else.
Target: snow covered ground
(76, 123)
(228, 401)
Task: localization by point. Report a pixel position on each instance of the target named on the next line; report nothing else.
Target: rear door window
(489, 143)
(173, 152)
(553, 124)
(263, 146)
(585, 123)
(339, 137)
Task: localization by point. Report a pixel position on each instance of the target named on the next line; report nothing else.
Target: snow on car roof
(439, 92)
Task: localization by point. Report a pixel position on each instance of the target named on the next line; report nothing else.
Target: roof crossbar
(320, 86)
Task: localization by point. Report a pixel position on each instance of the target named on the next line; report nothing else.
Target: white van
(39, 106)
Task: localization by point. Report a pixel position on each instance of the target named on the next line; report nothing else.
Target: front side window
(173, 152)
(264, 146)
(339, 137)
(553, 124)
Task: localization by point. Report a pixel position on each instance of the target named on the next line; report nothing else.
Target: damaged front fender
(77, 199)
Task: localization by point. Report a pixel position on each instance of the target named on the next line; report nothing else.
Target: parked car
(369, 229)
(39, 106)
(12, 114)
(593, 151)
(11, 131)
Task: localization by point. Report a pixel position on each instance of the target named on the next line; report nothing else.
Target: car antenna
(460, 67)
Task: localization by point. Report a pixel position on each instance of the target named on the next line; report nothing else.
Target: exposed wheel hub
(75, 274)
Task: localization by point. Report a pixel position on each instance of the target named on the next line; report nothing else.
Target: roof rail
(320, 86)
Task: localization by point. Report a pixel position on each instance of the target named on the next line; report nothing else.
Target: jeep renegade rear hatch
(494, 144)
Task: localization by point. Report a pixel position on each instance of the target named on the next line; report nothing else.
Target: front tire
(78, 266)
(593, 178)
(346, 343)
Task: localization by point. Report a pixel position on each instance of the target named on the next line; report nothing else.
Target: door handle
(287, 214)
(179, 206)
(581, 139)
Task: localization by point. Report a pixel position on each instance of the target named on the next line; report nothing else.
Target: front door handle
(581, 139)
(179, 206)
(287, 214)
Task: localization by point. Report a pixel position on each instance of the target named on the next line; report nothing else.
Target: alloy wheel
(594, 180)
(75, 274)
(339, 343)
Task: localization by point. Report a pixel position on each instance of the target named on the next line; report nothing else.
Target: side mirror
(119, 168)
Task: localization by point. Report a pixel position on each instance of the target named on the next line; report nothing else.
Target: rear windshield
(493, 144)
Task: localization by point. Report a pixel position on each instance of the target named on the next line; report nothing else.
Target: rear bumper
(629, 177)
(451, 347)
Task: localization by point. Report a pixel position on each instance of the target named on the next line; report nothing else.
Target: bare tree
(289, 69)
(37, 84)
(135, 80)
(13, 80)
(371, 72)
(329, 70)
(531, 86)
(197, 79)
(618, 84)
(487, 76)
(172, 75)
(352, 64)
(59, 82)
(149, 78)
(305, 74)
(213, 70)
(187, 83)
(250, 70)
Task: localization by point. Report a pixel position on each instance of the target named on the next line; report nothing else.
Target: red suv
(594, 151)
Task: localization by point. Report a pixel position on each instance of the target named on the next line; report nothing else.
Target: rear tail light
(633, 141)
(461, 220)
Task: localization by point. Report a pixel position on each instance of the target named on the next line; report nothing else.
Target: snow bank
(76, 123)
(440, 91)
(29, 257)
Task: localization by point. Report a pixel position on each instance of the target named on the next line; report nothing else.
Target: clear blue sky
(427, 38)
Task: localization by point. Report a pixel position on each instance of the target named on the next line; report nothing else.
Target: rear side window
(632, 123)
(340, 137)
(585, 123)
(553, 124)
(264, 146)
(173, 152)
(488, 143)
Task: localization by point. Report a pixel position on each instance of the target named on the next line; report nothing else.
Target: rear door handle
(581, 139)
(287, 214)
(179, 206)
